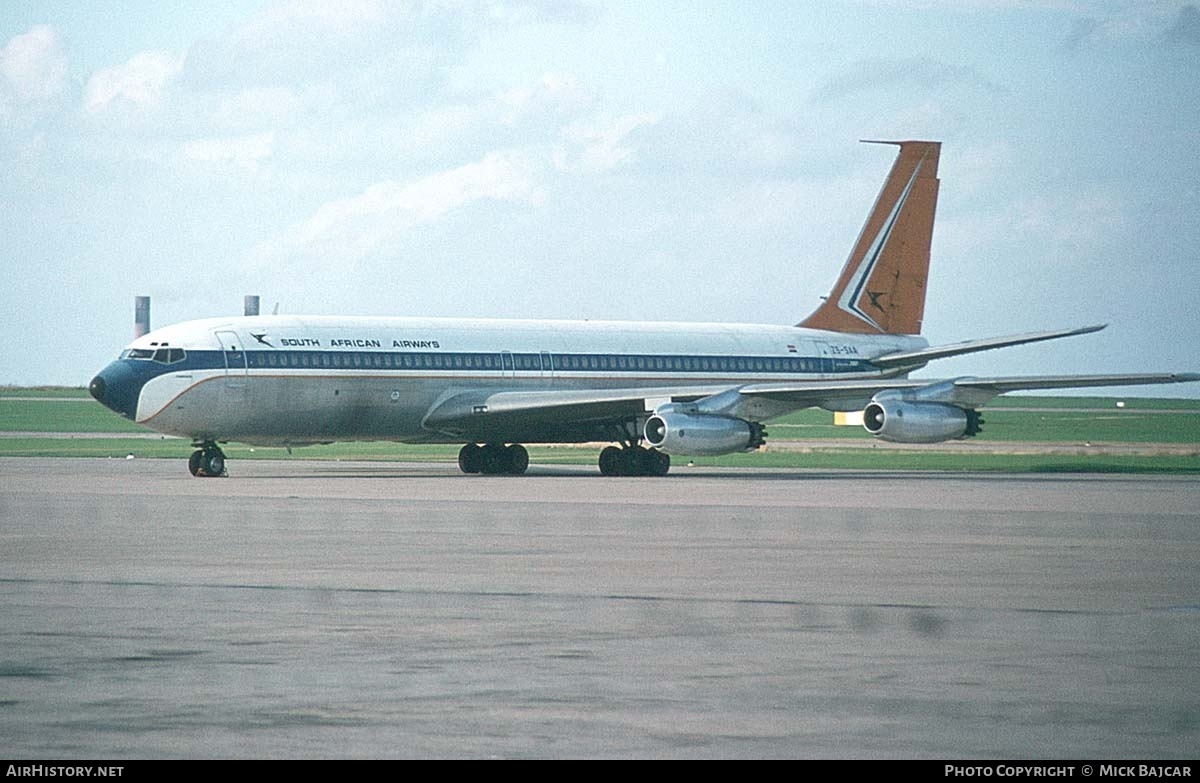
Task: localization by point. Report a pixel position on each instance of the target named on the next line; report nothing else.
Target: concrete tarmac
(306, 609)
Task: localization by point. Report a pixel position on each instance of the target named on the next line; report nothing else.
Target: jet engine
(702, 435)
(900, 421)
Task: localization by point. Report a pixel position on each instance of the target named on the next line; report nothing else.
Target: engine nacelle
(702, 435)
(900, 421)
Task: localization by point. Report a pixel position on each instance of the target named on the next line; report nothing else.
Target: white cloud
(293, 18)
(1068, 227)
(917, 75)
(977, 167)
(533, 11)
(1075, 225)
(245, 152)
(33, 68)
(257, 106)
(439, 124)
(552, 93)
(352, 227)
(138, 83)
(773, 204)
(1186, 28)
(561, 89)
(311, 41)
(598, 145)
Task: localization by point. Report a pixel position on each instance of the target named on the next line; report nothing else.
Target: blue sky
(691, 161)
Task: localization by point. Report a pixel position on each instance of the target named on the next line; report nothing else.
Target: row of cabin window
(533, 362)
(405, 361)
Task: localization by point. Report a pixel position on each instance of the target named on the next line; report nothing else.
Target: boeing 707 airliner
(653, 389)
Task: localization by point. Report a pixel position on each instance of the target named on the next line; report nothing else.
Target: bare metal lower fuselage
(299, 409)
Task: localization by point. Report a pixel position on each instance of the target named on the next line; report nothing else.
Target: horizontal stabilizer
(920, 357)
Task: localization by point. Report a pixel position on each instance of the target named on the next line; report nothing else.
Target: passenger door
(234, 352)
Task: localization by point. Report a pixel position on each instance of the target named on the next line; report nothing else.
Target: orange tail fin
(882, 287)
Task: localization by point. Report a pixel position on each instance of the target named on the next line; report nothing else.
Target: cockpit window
(161, 355)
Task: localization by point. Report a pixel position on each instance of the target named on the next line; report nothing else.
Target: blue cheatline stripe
(447, 361)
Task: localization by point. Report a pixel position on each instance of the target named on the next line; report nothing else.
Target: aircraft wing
(550, 415)
(966, 392)
(997, 386)
(547, 416)
(924, 355)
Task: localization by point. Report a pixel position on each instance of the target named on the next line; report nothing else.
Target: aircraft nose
(97, 388)
(116, 388)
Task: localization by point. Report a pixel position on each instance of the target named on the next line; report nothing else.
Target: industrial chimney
(141, 316)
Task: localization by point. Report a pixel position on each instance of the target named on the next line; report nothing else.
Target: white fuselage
(294, 379)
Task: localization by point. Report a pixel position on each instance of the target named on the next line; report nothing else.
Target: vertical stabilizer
(882, 288)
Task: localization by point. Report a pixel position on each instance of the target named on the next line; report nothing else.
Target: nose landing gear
(207, 461)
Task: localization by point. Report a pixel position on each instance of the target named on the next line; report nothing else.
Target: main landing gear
(634, 461)
(207, 461)
(493, 459)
